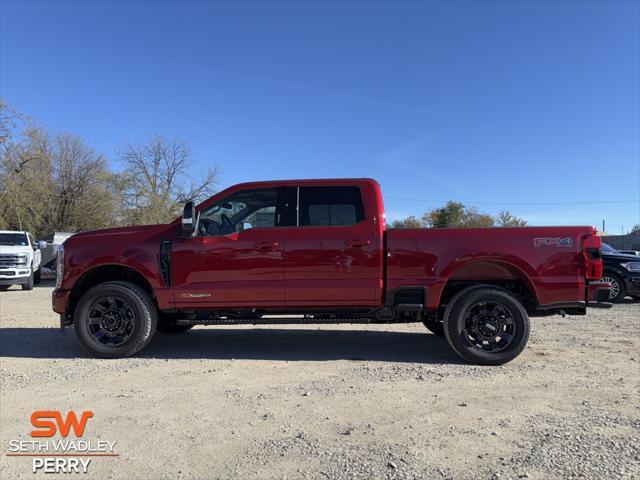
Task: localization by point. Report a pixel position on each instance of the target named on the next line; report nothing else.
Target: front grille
(8, 260)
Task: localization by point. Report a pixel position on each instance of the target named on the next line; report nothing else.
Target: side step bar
(281, 320)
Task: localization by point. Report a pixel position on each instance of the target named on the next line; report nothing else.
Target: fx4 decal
(553, 242)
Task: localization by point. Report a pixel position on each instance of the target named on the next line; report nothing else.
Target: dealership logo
(57, 444)
(553, 242)
(45, 427)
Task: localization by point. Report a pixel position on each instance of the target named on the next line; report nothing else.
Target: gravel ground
(388, 401)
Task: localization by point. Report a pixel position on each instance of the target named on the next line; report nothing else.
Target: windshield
(606, 248)
(19, 239)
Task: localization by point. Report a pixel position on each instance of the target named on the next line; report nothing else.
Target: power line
(607, 202)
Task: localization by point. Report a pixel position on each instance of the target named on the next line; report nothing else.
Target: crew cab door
(236, 258)
(333, 255)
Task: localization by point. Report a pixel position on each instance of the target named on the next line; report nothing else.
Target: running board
(274, 321)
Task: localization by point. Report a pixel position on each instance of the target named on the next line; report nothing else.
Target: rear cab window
(330, 206)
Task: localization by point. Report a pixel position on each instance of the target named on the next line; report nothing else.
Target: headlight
(22, 260)
(632, 266)
(59, 265)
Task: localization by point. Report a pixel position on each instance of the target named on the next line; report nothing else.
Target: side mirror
(42, 244)
(189, 219)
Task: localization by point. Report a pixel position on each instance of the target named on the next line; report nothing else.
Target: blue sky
(527, 106)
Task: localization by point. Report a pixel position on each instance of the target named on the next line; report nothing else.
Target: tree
(636, 229)
(505, 219)
(158, 180)
(86, 192)
(51, 182)
(450, 215)
(456, 215)
(409, 222)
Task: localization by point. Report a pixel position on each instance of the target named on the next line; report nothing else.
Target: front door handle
(265, 245)
(356, 242)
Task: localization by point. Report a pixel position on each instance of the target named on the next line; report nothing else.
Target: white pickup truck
(20, 259)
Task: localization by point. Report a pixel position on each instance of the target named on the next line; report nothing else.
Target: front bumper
(598, 294)
(60, 300)
(14, 276)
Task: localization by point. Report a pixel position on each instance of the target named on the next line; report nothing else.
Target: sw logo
(45, 427)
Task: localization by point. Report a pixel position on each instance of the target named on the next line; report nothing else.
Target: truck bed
(547, 260)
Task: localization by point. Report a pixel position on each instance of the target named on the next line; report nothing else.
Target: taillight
(593, 262)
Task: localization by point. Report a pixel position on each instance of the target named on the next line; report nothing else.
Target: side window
(330, 206)
(241, 211)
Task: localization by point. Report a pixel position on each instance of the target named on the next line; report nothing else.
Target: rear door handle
(265, 245)
(356, 242)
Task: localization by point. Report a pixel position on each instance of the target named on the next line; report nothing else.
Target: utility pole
(603, 225)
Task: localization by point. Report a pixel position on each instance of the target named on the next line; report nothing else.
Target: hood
(15, 249)
(118, 231)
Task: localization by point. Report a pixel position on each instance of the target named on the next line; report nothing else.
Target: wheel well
(491, 273)
(107, 273)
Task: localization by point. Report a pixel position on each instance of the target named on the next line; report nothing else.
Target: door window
(330, 206)
(241, 211)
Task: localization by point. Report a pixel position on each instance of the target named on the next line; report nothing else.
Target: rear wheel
(5, 287)
(434, 325)
(115, 319)
(618, 290)
(486, 325)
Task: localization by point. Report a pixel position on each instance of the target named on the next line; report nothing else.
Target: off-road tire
(29, 284)
(172, 328)
(37, 276)
(145, 319)
(455, 317)
(4, 287)
(434, 326)
(622, 291)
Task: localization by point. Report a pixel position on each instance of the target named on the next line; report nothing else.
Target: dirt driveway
(332, 401)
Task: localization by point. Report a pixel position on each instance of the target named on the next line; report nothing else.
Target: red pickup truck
(319, 251)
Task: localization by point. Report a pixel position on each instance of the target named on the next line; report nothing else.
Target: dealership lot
(332, 401)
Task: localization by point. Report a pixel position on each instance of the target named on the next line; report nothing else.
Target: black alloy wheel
(486, 324)
(111, 320)
(489, 326)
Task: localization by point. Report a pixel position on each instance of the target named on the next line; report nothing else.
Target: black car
(622, 271)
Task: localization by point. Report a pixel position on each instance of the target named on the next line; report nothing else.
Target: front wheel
(115, 319)
(486, 325)
(37, 276)
(29, 284)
